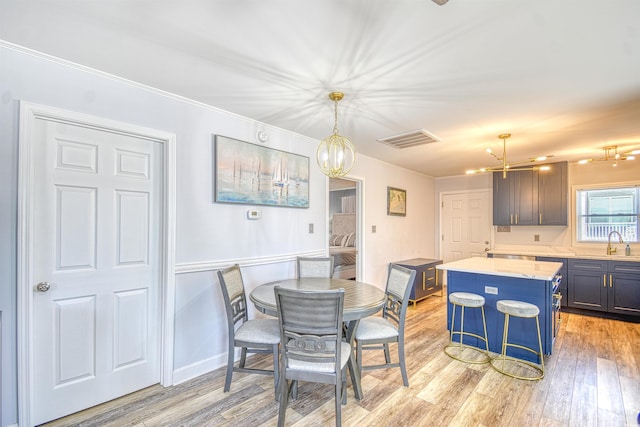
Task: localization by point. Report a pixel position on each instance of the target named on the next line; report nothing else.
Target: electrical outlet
(310, 228)
(373, 228)
(491, 290)
(536, 237)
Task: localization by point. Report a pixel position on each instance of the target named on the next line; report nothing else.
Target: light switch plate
(254, 214)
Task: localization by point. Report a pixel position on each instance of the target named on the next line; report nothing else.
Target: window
(602, 211)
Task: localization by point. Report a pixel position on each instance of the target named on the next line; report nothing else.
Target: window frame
(576, 217)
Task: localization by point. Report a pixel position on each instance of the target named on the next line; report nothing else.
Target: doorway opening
(345, 227)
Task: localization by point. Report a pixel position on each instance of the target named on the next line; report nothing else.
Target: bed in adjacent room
(342, 245)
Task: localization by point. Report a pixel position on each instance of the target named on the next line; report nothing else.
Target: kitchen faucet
(610, 250)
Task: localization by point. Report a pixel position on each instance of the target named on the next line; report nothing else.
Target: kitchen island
(514, 279)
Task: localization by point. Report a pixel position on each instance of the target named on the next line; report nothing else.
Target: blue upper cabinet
(552, 195)
(527, 197)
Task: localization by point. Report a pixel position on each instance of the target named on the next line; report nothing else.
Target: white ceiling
(562, 76)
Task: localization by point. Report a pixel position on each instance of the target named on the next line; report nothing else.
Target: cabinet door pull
(424, 275)
(510, 218)
(540, 218)
(604, 280)
(611, 280)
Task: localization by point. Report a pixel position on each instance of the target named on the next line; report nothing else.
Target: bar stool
(525, 310)
(467, 300)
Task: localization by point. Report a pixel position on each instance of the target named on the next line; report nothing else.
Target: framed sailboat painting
(252, 174)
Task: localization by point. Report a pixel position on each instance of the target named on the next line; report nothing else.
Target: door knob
(43, 286)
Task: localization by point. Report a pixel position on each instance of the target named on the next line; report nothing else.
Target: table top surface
(360, 299)
(526, 269)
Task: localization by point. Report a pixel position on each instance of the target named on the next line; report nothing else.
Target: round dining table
(360, 300)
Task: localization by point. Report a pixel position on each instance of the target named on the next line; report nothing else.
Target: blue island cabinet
(494, 288)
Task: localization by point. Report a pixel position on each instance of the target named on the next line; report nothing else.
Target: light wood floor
(592, 379)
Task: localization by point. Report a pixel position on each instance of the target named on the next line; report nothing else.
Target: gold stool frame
(460, 346)
(504, 358)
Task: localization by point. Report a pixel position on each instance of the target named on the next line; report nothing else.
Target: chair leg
(276, 363)
(338, 399)
(243, 357)
(230, 354)
(359, 357)
(344, 386)
(387, 356)
(284, 396)
(403, 367)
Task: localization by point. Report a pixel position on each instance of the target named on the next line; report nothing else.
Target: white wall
(209, 235)
(396, 238)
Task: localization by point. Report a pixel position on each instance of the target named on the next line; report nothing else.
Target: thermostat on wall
(254, 214)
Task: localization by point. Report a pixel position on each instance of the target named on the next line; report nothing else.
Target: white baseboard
(201, 367)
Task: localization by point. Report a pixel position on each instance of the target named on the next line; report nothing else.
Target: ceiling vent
(410, 139)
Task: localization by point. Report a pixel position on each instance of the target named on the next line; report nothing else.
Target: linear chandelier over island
(505, 166)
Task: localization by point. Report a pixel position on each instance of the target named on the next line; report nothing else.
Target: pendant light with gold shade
(335, 155)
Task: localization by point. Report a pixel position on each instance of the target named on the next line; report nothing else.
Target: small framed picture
(396, 201)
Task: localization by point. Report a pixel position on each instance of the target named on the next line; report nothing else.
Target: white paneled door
(466, 225)
(97, 216)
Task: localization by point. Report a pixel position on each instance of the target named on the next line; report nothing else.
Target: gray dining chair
(312, 346)
(252, 336)
(315, 267)
(377, 332)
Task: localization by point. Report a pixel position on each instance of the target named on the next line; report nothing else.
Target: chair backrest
(233, 292)
(310, 327)
(399, 282)
(315, 267)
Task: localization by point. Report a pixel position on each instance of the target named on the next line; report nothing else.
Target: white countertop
(565, 252)
(523, 269)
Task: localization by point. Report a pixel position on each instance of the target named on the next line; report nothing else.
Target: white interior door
(466, 225)
(97, 221)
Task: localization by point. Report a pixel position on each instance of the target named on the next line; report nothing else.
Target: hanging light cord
(335, 109)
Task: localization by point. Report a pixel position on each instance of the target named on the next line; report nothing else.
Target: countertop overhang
(518, 268)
